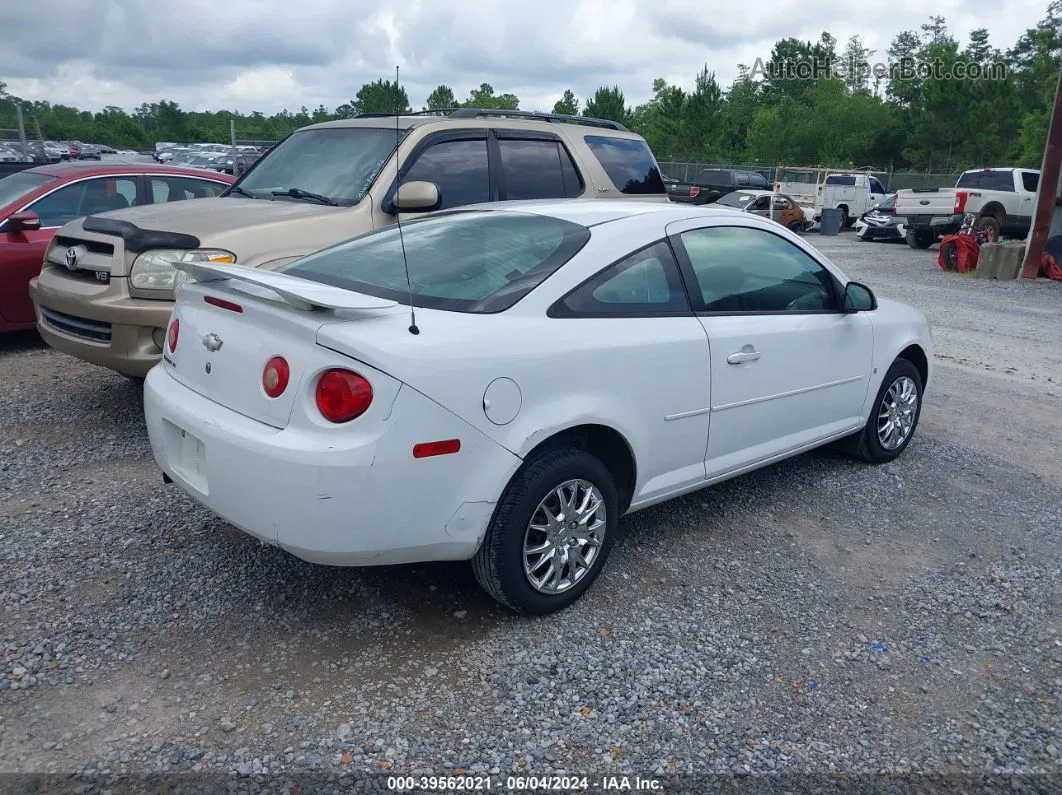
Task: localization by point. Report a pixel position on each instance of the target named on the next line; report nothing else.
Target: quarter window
(174, 189)
(739, 269)
(646, 282)
(538, 169)
(458, 168)
(628, 162)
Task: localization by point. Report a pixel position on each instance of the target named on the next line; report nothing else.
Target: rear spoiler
(300, 293)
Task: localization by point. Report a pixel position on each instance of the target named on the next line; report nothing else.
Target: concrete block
(1001, 261)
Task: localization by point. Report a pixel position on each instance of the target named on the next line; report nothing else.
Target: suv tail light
(694, 190)
(960, 200)
(175, 330)
(342, 395)
(275, 376)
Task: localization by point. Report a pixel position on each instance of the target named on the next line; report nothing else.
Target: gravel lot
(816, 617)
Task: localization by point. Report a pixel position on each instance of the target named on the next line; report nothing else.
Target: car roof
(446, 122)
(74, 170)
(593, 212)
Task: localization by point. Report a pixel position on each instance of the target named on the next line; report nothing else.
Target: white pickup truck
(853, 194)
(1003, 199)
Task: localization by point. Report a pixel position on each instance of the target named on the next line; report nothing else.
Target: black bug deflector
(137, 239)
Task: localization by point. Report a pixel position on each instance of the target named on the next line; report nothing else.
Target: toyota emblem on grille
(71, 257)
(212, 342)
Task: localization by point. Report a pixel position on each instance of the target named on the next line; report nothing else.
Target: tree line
(811, 102)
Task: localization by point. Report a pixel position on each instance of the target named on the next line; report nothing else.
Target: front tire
(894, 417)
(551, 533)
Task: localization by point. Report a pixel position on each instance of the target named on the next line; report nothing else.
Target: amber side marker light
(429, 449)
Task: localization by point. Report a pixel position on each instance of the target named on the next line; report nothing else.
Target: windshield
(470, 261)
(736, 199)
(15, 186)
(340, 163)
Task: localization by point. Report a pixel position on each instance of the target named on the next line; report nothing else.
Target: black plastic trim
(137, 239)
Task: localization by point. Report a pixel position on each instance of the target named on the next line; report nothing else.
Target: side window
(538, 169)
(758, 180)
(175, 189)
(1030, 180)
(760, 204)
(89, 197)
(628, 162)
(742, 178)
(645, 282)
(459, 168)
(997, 180)
(875, 186)
(739, 270)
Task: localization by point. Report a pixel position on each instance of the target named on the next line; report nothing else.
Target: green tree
(381, 96)
(485, 98)
(567, 104)
(441, 97)
(608, 103)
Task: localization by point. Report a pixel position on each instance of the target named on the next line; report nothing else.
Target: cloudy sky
(270, 54)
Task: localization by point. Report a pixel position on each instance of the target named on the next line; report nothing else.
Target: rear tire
(991, 225)
(899, 400)
(503, 564)
(920, 238)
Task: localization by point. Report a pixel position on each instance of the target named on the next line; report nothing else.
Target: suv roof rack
(501, 113)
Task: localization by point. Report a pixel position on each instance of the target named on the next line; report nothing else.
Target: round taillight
(175, 330)
(275, 376)
(342, 395)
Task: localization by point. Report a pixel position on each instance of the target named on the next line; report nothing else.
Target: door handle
(743, 356)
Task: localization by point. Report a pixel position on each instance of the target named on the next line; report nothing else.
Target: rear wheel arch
(996, 210)
(604, 443)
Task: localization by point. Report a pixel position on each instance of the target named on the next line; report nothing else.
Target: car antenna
(398, 215)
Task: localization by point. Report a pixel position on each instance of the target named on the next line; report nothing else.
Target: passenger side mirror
(417, 197)
(859, 298)
(25, 221)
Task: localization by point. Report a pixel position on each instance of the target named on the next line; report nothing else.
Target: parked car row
(539, 348)
(216, 157)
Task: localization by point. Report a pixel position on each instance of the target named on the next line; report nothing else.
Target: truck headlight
(152, 269)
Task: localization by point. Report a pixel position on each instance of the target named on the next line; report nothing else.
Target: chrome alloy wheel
(896, 414)
(563, 538)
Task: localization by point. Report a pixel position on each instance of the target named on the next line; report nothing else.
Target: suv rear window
(463, 261)
(628, 162)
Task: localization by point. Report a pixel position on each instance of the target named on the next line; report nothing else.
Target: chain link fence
(687, 171)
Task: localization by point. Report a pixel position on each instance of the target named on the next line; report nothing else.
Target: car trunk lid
(232, 321)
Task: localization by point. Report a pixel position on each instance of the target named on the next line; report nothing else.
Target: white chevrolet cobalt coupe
(569, 362)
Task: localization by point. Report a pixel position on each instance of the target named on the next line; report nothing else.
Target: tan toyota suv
(107, 286)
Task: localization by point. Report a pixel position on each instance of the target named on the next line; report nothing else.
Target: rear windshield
(340, 163)
(628, 162)
(736, 199)
(467, 261)
(19, 184)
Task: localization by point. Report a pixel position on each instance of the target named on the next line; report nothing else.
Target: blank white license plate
(190, 457)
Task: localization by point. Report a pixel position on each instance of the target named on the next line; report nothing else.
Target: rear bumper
(332, 496)
(941, 224)
(113, 331)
